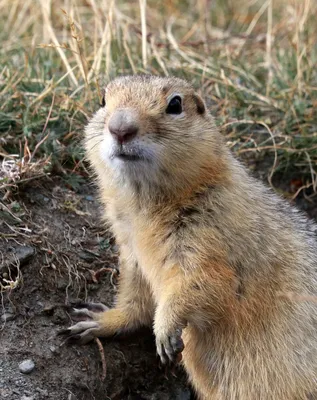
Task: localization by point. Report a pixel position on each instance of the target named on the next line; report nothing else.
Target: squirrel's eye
(103, 101)
(174, 106)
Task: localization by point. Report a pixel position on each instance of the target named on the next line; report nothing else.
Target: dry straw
(254, 60)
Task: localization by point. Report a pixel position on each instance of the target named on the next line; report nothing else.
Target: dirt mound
(55, 249)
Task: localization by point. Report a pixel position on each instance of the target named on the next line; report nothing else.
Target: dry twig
(103, 359)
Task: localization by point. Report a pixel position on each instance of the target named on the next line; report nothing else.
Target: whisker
(95, 145)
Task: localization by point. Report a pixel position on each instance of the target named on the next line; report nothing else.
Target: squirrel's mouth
(128, 157)
(127, 154)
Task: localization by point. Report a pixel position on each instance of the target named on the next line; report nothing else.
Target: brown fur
(206, 248)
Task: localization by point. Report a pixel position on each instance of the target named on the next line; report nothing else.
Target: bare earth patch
(54, 247)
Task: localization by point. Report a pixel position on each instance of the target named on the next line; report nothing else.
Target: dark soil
(61, 242)
(64, 239)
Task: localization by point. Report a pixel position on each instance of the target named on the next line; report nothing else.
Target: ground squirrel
(209, 255)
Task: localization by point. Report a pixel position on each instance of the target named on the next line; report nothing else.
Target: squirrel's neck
(173, 192)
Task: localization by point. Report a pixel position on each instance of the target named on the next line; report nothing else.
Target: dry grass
(254, 61)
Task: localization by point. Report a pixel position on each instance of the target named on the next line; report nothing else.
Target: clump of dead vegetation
(254, 61)
(15, 169)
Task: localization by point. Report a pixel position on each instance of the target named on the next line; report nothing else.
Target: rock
(26, 366)
(7, 215)
(20, 254)
(54, 349)
(6, 317)
(20, 382)
(24, 253)
(183, 394)
(27, 398)
(43, 392)
(88, 255)
(89, 198)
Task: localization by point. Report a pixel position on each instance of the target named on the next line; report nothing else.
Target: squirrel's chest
(142, 240)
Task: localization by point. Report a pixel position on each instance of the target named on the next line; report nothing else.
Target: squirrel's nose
(123, 125)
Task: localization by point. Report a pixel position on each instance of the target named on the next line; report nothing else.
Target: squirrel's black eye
(174, 106)
(103, 101)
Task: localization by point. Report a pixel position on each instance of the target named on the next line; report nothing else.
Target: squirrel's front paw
(170, 346)
(90, 325)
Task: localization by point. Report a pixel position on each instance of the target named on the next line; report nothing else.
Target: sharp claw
(70, 339)
(83, 312)
(160, 351)
(163, 359)
(85, 330)
(96, 307)
(164, 354)
(171, 348)
(86, 339)
(80, 327)
(73, 338)
(99, 307)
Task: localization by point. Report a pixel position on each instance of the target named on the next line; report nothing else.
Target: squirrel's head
(153, 131)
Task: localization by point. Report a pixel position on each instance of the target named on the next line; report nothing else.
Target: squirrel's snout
(123, 125)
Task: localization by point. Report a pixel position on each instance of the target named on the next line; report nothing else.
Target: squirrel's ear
(200, 105)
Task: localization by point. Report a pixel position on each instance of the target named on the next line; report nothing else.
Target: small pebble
(43, 392)
(27, 398)
(26, 366)
(54, 349)
(89, 198)
(184, 395)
